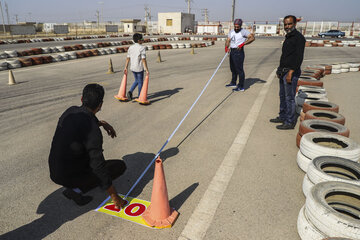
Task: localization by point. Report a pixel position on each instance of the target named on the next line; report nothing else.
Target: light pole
(2, 15)
(102, 11)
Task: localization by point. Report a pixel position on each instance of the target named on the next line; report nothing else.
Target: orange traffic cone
(159, 214)
(121, 96)
(143, 94)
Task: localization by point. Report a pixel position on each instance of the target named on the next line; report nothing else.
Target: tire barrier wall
(63, 53)
(57, 39)
(332, 43)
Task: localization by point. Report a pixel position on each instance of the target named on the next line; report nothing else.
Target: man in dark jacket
(76, 158)
(288, 73)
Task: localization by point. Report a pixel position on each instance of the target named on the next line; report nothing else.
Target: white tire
(318, 144)
(307, 185)
(336, 66)
(336, 71)
(313, 93)
(329, 168)
(306, 230)
(302, 161)
(354, 65)
(345, 70)
(345, 65)
(310, 87)
(333, 208)
(354, 69)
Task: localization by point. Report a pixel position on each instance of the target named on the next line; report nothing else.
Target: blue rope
(168, 140)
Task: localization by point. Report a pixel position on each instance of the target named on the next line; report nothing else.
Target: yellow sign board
(132, 211)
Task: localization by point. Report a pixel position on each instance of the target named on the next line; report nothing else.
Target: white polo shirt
(136, 53)
(238, 38)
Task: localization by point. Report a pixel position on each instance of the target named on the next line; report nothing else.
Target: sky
(61, 11)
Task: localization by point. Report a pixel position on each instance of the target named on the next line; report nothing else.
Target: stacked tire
(331, 210)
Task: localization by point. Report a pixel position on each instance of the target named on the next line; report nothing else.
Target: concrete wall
(175, 22)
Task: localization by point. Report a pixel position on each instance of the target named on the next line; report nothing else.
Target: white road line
(202, 216)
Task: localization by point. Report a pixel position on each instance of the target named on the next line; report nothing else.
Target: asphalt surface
(261, 201)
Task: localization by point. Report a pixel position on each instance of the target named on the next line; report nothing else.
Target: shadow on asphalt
(251, 81)
(203, 120)
(158, 96)
(136, 163)
(57, 210)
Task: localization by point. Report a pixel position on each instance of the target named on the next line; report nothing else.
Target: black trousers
(237, 58)
(87, 180)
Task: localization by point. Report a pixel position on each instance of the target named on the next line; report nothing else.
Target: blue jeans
(237, 58)
(287, 98)
(139, 78)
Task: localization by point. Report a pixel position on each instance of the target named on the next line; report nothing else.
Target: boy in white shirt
(136, 55)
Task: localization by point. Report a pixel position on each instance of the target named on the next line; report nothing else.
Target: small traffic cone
(11, 78)
(111, 69)
(192, 51)
(159, 58)
(159, 214)
(121, 96)
(143, 94)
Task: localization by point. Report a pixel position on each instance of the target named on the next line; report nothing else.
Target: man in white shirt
(136, 55)
(235, 42)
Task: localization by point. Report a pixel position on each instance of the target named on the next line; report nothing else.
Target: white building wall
(175, 22)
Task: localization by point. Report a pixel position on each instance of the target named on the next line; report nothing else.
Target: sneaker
(238, 89)
(129, 95)
(231, 85)
(276, 120)
(285, 126)
(78, 198)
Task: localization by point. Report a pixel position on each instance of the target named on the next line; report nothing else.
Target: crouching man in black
(76, 158)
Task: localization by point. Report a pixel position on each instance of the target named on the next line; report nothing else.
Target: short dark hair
(291, 16)
(93, 95)
(137, 37)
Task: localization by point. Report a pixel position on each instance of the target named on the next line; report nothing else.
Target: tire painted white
(314, 93)
(306, 230)
(307, 184)
(302, 161)
(13, 63)
(354, 65)
(345, 70)
(316, 144)
(324, 99)
(64, 56)
(329, 168)
(310, 87)
(345, 65)
(11, 54)
(321, 205)
(336, 71)
(3, 66)
(60, 48)
(3, 55)
(354, 69)
(336, 66)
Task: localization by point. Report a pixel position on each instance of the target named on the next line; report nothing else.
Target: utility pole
(146, 18)
(233, 11)
(2, 15)
(7, 13)
(102, 11)
(98, 18)
(188, 1)
(16, 18)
